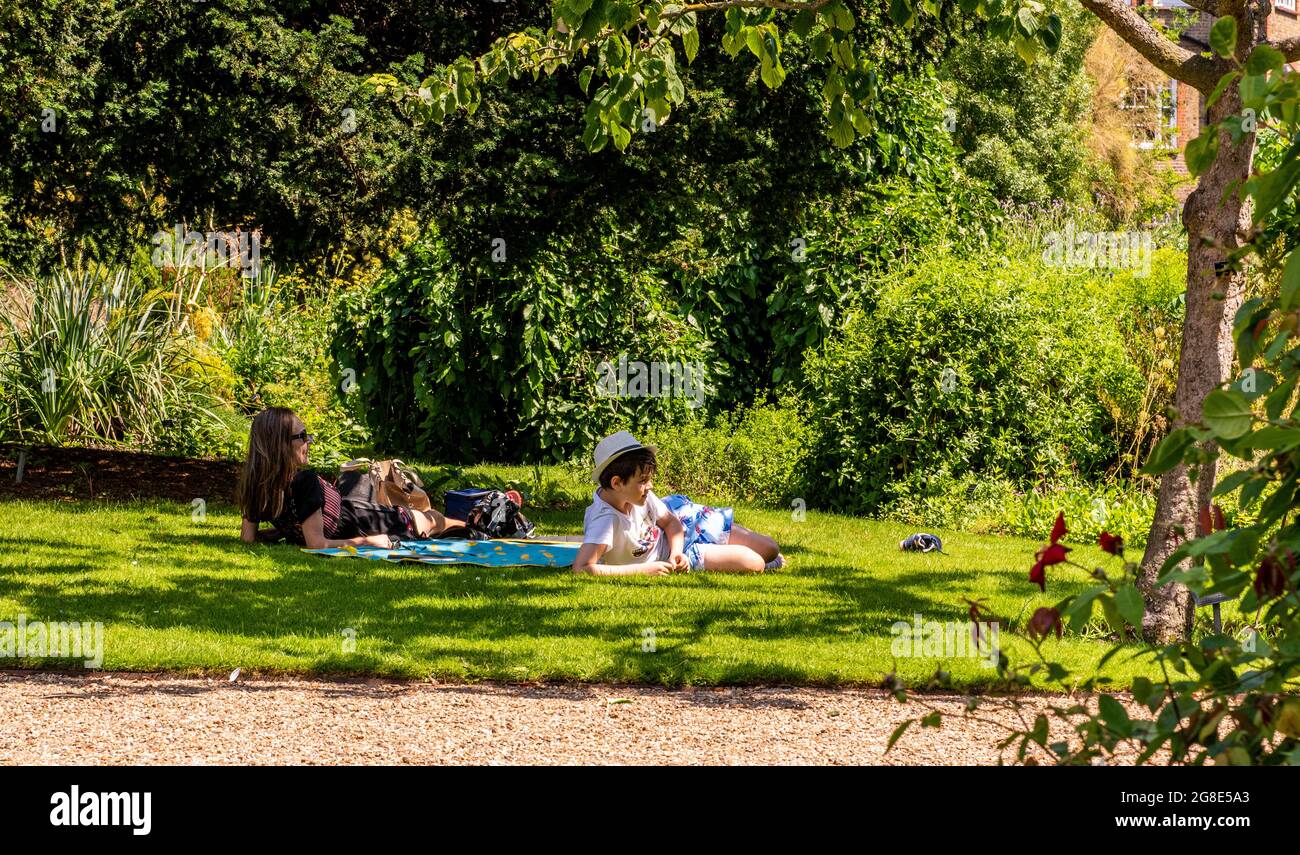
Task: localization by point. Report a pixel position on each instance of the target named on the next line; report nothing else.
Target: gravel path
(149, 718)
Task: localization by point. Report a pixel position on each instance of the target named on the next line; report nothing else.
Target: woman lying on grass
(628, 530)
(302, 506)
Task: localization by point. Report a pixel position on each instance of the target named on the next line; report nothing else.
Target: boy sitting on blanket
(628, 530)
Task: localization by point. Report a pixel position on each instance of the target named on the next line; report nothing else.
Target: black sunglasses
(304, 436)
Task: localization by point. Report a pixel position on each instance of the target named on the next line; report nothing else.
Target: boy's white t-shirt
(632, 538)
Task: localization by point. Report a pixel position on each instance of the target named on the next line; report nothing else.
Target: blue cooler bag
(458, 503)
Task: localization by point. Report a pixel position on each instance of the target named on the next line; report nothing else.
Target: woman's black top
(340, 518)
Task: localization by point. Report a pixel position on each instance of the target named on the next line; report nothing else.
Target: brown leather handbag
(384, 482)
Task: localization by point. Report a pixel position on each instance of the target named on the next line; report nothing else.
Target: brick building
(1180, 107)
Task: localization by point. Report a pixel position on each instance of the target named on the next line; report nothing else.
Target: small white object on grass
(234, 675)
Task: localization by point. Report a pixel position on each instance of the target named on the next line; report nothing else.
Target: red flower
(1047, 556)
(1045, 620)
(1058, 528)
(1210, 520)
(1271, 577)
(1110, 543)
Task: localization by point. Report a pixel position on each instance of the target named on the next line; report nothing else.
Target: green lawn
(182, 594)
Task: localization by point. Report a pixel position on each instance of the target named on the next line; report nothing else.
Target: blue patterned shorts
(703, 525)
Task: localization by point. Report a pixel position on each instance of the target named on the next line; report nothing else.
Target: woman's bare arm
(313, 533)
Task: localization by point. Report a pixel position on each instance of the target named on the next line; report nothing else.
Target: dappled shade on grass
(180, 593)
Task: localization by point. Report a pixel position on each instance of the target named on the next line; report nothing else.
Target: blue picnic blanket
(485, 553)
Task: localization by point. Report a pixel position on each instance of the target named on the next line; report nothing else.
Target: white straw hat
(614, 446)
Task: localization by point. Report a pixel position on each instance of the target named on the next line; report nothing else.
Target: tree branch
(779, 5)
(1176, 61)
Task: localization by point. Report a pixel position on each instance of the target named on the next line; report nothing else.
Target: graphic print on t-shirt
(648, 537)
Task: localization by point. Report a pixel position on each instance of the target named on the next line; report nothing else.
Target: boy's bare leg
(760, 543)
(730, 558)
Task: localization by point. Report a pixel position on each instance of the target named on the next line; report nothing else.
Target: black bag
(495, 516)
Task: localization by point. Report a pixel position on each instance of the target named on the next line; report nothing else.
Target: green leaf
(841, 131)
(1277, 400)
(1130, 604)
(1290, 295)
(1263, 59)
(821, 44)
(1110, 609)
(1245, 542)
(621, 136)
(897, 734)
(1254, 91)
(1224, 82)
(595, 137)
(1168, 453)
(902, 12)
(1027, 49)
(1272, 437)
(1026, 22)
(584, 78)
(772, 74)
(1114, 715)
(1227, 413)
(1079, 611)
(691, 44)
(1051, 34)
(1200, 152)
(1223, 36)
(843, 17)
(1272, 188)
(1250, 492)
(1232, 482)
(803, 22)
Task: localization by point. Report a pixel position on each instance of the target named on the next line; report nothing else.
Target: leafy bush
(93, 354)
(1148, 308)
(986, 366)
(275, 334)
(754, 456)
(503, 361)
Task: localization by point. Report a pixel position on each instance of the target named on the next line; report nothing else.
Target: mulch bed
(70, 474)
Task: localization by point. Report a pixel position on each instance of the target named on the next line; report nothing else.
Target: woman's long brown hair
(269, 465)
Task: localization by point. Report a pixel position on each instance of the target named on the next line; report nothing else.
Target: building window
(1288, 5)
(1154, 109)
(1179, 4)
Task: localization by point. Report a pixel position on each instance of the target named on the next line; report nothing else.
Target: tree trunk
(1216, 219)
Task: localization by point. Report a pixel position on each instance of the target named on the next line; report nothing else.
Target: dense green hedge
(989, 365)
(504, 363)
